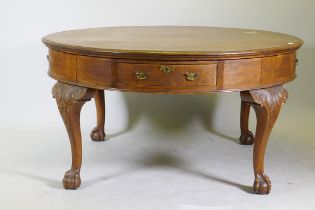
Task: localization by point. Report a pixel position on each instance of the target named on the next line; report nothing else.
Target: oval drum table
(172, 60)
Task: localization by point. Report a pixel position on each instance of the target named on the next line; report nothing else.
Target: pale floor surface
(143, 170)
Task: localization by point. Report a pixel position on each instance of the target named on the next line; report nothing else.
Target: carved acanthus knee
(70, 100)
(67, 95)
(267, 104)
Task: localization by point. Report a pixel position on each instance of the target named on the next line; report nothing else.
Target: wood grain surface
(167, 41)
(172, 60)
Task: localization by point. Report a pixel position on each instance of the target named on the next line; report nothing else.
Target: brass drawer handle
(142, 75)
(191, 76)
(167, 69)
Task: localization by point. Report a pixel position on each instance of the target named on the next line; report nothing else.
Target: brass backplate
(191, 76)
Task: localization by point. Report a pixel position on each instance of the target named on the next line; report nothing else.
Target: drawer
(278, 69)
(167, 74)
(62, 66)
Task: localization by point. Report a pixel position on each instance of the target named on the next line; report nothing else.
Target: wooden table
(172, 60)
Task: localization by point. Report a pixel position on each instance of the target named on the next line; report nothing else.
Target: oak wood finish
(228, 75)
(172, 60)
(98, 134)
(247, 137)
(70, 100)
(180, 42)
(267, 103)
(126, 73)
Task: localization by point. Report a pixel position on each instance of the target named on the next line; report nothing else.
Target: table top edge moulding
(111, 46)
(229, 52)
(172, 59)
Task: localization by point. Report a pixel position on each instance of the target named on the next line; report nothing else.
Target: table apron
(176, 76)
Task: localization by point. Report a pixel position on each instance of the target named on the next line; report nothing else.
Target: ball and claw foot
(97, 134)
(262, 185)
(247, 138)
(71, 180)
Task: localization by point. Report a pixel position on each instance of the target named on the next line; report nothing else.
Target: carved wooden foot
(98, 134)
(247, 137)
(262, 184)
(267, 103)
(72, 180)
(70, 100)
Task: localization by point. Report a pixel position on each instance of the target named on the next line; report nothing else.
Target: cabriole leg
(98, 134)
(247, 137)
(267, 104)
(70, 100)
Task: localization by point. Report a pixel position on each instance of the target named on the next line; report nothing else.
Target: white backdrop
(26, 101)
(174, 141)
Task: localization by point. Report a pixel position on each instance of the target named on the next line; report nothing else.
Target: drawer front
(62, 66)
(167, 74)
(94, 70)
(278, 69)
(240, 74)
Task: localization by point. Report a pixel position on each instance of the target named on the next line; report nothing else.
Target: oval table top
(172, 59)
(173, 40)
